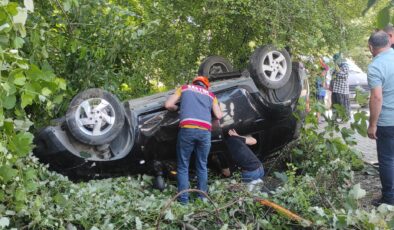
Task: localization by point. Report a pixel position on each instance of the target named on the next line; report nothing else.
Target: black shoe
(380, 201)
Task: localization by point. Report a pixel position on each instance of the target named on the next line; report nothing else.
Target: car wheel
(214, 65)
(95, 117)
(290, 92)
(269, 67)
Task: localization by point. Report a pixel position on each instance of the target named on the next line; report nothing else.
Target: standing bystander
(389, 29)
(196, 105)
(381, 106)
(340, 85)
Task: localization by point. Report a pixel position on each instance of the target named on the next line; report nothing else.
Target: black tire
(290, 92)
(269, 67)
(214, 65)
(95, 117)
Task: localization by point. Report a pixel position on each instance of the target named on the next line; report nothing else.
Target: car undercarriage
(101, 137)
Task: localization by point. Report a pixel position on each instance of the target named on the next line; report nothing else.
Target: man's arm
(375, 107)
(170, 104)
(216, 109)
(249, 140)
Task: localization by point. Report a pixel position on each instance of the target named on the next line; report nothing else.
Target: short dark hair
(379, 39)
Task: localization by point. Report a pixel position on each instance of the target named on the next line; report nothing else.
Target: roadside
(369, 176)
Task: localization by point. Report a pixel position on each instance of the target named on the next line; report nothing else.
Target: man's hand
(226, 172)
(170, 104)
(375, 107)
(249, 140)
(232, 132)
(372, 132)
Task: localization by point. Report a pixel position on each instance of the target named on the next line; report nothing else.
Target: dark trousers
(385, 148)
(189, 141)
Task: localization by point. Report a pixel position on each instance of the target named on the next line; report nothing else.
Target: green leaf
(27, 99)
(21, 144)
(35, 73)
(282, 176)
(22, 64)
(38, 202)
(46, 92)
(58, 99)
(22, 125)
(19, 79)
(44, 52)
(61, 83)
(20, 195)
(67, 5)
(5, 27)
(1, 116)
(12, 8)
(20, 205)
(7, 173)
(59, 199)
(169, 215)
(18, 42)
(31, 186)
(3, 150)
(30, 174)
(2, 195)
(7, 87)
(8, 101)
(357, 192)
(9, 128)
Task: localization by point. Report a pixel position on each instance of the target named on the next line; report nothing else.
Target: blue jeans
(385, 148)
(248, 176)
(189, 141)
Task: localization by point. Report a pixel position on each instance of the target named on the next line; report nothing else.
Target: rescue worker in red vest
(196, 106)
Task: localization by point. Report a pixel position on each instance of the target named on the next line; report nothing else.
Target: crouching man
(252, 170)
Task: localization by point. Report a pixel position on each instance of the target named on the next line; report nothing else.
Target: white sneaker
(254, 184)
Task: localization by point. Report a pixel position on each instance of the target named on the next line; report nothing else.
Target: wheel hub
(274, 66)
(218, 68)
(95, 116)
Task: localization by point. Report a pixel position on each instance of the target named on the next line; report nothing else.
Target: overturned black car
(102, 137)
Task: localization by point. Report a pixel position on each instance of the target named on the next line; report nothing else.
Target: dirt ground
(369, 181)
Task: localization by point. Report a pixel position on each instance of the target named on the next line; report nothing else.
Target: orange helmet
(203, 80)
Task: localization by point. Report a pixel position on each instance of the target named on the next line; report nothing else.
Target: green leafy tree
(131, 47)
(385, 13)
(22, 86)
